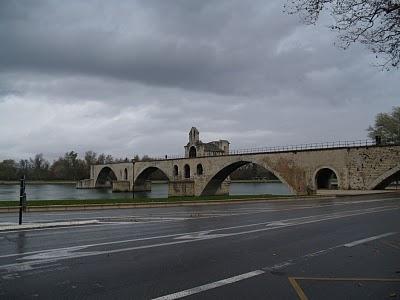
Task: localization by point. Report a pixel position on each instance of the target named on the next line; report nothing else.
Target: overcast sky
(128, 77)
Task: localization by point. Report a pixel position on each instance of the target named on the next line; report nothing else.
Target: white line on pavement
(68, 253)
(205, 214)
(210, 286)
(355, 243)
(263, 270)
(284, 223)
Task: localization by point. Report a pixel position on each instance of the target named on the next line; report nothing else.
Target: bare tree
(374, 23)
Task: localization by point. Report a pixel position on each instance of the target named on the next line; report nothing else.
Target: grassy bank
(138, 200)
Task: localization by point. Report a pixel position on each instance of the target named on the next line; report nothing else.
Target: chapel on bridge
(195, 147)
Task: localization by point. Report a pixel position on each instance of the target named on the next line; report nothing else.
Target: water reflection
(65, 191)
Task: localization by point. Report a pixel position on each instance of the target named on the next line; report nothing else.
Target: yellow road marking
(391, 245)
(297, 288)
(348, 279)
(302, 295)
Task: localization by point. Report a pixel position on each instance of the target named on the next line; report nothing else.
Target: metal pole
(21, 197)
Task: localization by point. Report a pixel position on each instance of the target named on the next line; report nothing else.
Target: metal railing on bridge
(310, 146)
(291, 148)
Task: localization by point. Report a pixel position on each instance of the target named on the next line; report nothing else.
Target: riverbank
(38, 182)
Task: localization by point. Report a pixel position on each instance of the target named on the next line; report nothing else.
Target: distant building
(196, 148)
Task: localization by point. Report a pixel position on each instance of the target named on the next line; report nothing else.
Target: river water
(159, 190)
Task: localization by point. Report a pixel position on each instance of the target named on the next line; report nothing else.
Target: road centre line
(330, 216)
(210, 286)
(67, 253)
(372, 238)
(274, 222)
(292, 280)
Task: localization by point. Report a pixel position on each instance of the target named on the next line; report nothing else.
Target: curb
(46, 225)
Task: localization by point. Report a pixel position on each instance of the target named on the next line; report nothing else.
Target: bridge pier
(195, 187)
(185, 187)
(216, 187)
(121, 186)
(223, 189)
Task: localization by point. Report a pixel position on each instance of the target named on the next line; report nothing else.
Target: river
(159, 190)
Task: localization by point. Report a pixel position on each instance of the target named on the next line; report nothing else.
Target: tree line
(71, 167)
(67, 167)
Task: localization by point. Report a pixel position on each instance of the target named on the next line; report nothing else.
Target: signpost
(22, 198)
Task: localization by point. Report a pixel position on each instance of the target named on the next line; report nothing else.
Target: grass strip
(33, 203)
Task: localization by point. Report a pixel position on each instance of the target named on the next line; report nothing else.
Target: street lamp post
(22, 198)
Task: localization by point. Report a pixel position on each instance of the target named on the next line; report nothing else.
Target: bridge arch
(145, 174)
(105, 177)
(219, 176)
(385, 179)
(324, 178)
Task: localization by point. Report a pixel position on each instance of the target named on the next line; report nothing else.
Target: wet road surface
(314, 249)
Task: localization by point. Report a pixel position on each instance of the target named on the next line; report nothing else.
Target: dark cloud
(116, 76)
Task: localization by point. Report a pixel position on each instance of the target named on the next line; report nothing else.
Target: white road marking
(210, 286)
(278, 223)
(251, 210)
(201, 235)
(355, 243)
(158, 237)
(287, 222)
(29, 264)
(263, 270)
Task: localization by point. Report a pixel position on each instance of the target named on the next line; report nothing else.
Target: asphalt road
(347, 248)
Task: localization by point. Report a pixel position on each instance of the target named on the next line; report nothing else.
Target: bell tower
(193, 136)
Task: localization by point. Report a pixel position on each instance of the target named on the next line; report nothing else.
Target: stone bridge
(303, 171)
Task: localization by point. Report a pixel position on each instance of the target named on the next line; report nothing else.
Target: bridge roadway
(317, 249)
